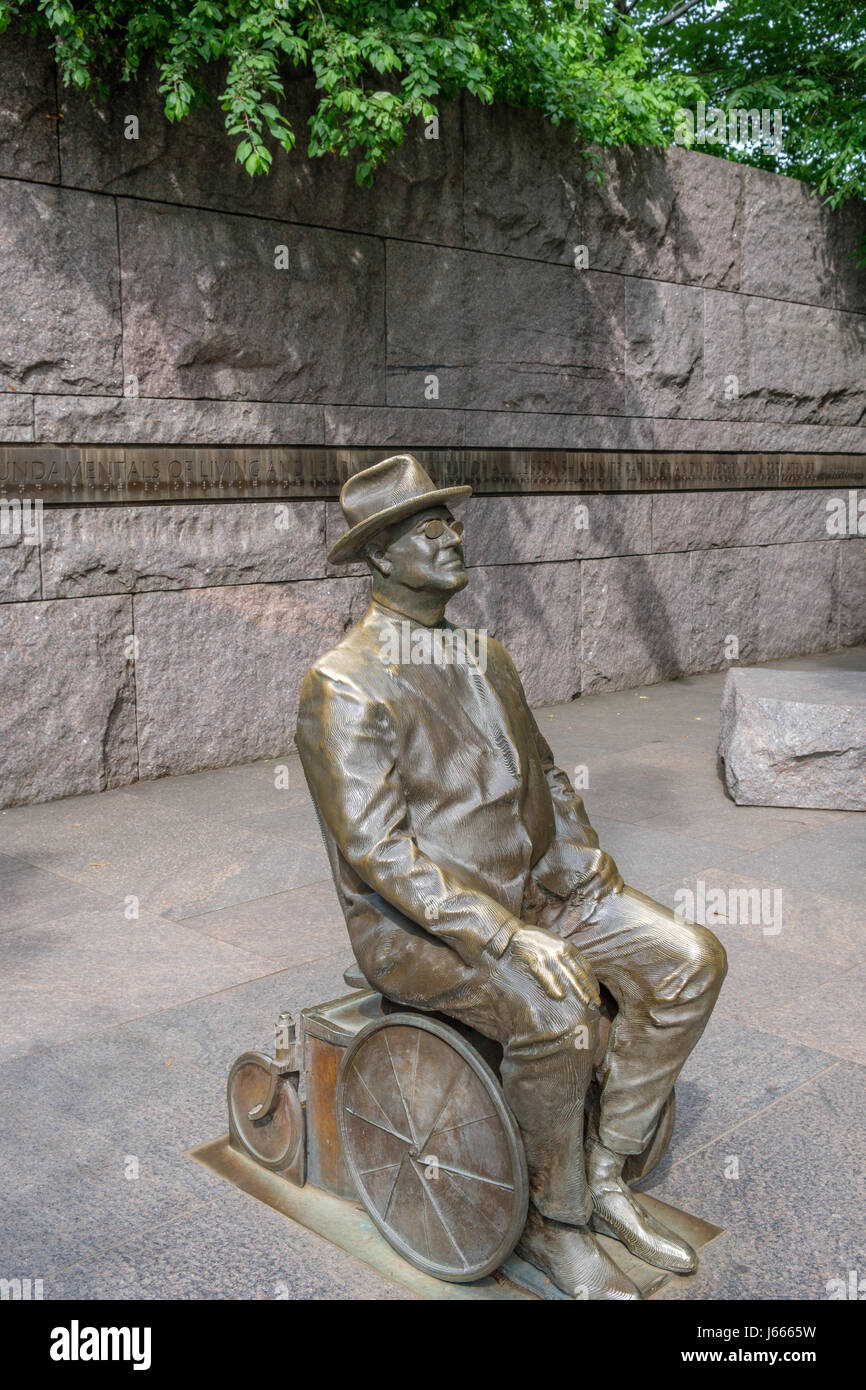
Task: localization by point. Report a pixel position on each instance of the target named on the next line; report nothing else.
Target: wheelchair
(402, 1111)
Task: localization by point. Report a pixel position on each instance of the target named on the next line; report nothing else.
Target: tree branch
(678, 11)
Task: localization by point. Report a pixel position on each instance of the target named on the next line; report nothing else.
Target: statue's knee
(715, 954)
(708, 956)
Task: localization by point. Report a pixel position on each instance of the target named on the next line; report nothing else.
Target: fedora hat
(383, 494)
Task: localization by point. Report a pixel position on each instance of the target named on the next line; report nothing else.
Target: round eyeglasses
(436, 527)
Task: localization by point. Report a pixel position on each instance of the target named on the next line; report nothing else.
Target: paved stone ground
(117, 1031)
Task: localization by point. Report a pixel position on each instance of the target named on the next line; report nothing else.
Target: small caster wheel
(266, 1118)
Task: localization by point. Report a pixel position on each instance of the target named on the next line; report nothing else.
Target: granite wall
(140, 301)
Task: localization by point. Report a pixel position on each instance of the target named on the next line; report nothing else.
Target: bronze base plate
(346, 1225)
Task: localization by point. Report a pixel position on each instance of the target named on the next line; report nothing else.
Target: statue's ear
(377, 555)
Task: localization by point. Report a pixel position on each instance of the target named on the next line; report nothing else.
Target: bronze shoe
(617, 1214)
(573, 1260)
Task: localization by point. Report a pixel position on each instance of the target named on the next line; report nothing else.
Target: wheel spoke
(387, 1129)
(425, 1188)
(378, 1104)
(475, 1177)
(394, 1186)
(455, 1077)
(415, 1065)
(476, 1210)
(399, 1087)
(462, 1125)
(382, 1168)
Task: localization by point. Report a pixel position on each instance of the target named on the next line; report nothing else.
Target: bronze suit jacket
(431, 819)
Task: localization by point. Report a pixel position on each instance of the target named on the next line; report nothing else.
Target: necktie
(484, 708)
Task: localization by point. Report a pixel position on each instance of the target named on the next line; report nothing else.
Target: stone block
(532, 529)
(28, 113)
(417, 193)
(787, 241)
(16, 419)
(59, 276)
(769, 516)
(68, 697)
(699, 520)
(665, 214)
(784, 515)
(133, 420)
(502, 334)
(636, 620)
(335, 527)
(219, 671)
(535, 614)
(20, 576)
(847, 237)
(724, 592)
(110, 550)
(240, 327)
(851, 591)
(389, 427)
(795, 738)
(796, 599)
(524, 183)
(790, 362)
(756, 436)
(665, 360)
(500, 429)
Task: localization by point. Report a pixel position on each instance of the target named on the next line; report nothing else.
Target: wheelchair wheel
(640, 1165)
(265, 1115)
(433, 1149)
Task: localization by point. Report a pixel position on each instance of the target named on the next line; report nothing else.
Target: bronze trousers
(665, 976)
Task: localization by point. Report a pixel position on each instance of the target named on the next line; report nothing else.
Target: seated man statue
(472, 883)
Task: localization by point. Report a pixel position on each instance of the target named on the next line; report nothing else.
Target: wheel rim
(275, 1140)
(439, 1166)
(640, 1165)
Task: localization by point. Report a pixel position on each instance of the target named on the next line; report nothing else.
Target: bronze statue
(473, 885)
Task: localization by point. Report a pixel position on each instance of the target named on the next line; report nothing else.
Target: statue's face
(419, 562)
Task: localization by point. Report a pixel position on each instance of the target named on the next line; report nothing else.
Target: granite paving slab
(292, 928)
(92, 969)
(230, 1247)
(175, 863)
(792, 1216)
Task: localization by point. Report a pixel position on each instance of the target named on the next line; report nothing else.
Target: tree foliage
(804, 57)
(378, 64)
(617, 71)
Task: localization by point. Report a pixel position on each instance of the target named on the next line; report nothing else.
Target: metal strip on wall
(131, 473)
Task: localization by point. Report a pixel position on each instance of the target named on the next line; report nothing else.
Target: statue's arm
(572, 822)
(346, 744)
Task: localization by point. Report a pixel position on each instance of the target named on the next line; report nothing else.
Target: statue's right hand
(556, 965)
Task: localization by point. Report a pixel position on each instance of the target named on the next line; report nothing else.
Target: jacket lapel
(426, 683)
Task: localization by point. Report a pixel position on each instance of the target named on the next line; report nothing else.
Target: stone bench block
(795, 738)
